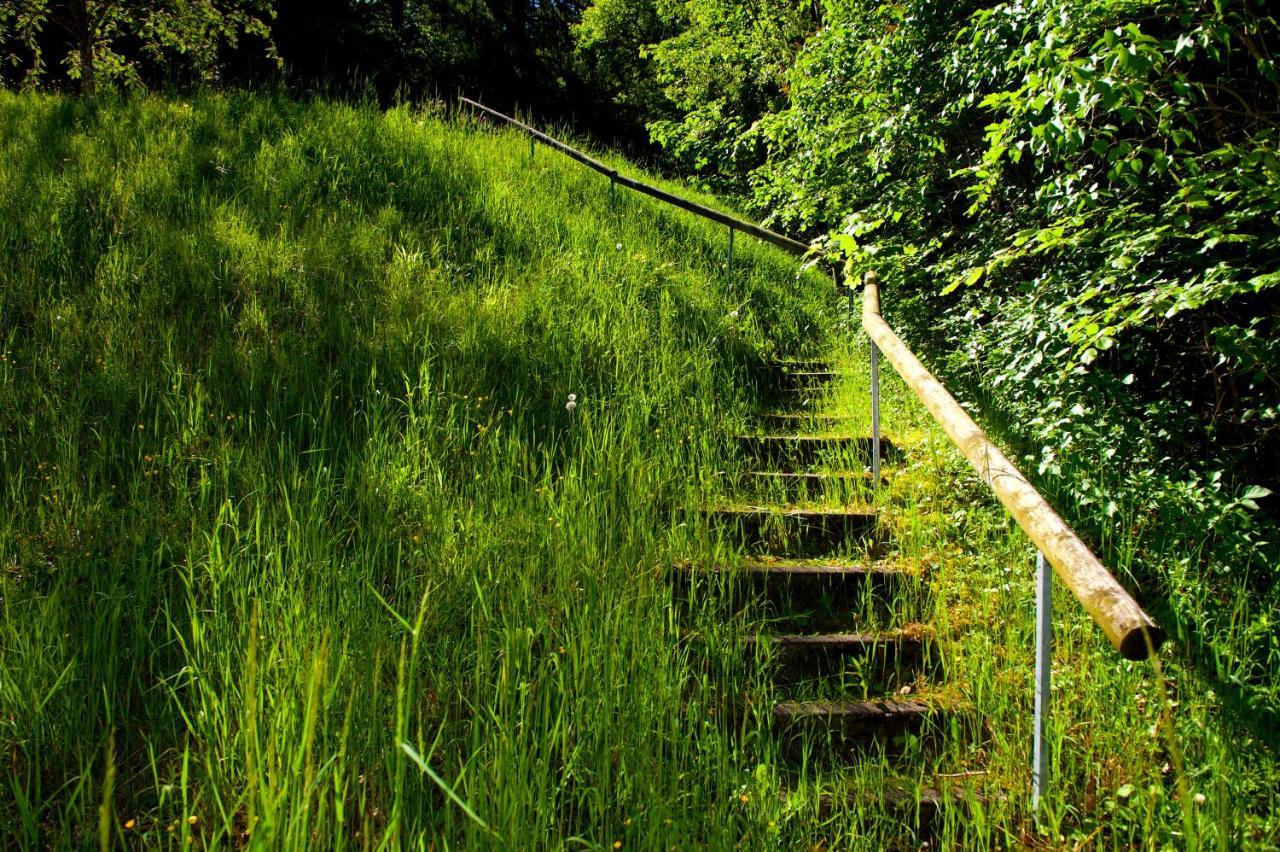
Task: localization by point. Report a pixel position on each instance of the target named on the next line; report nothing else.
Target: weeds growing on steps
(301, 544)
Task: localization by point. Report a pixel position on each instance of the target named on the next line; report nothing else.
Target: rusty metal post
(1044, 638)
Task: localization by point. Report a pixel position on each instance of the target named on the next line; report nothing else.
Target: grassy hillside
(288, 474)
(301, 544)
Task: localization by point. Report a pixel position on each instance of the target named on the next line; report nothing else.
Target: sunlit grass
(301, 544)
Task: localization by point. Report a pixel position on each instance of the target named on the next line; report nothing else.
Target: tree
(510, 52)
(610, 51)
(105, 41)
(724, 70)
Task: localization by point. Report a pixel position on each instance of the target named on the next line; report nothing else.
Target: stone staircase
(806, 516)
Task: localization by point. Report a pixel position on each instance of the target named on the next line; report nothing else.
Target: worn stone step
(796, 530)
(788, 452)
(809, 595)
(833, 728)
(790, 572)
(786, 380)
(855, 716)
(823, 589)
(781, 572)
(805, 654)
(790, 420)
(811, 377)
(802, 364)
(801, 484)
(920, 805)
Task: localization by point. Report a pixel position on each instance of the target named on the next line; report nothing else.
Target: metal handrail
(1134, 634)
(732, 222)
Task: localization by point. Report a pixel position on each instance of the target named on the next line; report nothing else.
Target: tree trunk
(84, 46)
(88, 81)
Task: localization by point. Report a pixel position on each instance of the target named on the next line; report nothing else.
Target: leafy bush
(1074, 206)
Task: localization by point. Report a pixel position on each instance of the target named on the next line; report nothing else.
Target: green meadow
(346, 457)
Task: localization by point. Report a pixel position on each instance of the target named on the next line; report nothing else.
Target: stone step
(788, 379)
(810, 378)
(857, 717)
(825, 572)
(789, 420)
(788, 452)
(806, 654)
(834, 729)
(802, 364)
(823, 590)
(796, 530)
(920, 805)
(809, 595)
(805, 484)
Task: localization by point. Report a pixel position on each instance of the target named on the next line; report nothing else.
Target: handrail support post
(1044, 636)
(728, 260)
(875, 416)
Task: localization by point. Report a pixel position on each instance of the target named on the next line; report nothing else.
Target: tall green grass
(302, 547)
(292, 498)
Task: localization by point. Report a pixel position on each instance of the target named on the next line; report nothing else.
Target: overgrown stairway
(853, 675)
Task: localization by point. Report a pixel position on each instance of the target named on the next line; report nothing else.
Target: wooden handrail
(783, 242)
(1130, 629)
(1134, 634)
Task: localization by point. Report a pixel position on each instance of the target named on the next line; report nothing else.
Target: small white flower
(618, 246)
(734, 313)
(1200, 799)
(572, 403)
(573, 397)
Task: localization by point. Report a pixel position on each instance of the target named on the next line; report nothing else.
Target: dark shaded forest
(514, 54)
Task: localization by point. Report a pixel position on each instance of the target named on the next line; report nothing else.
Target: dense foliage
(507, 52)
(511, 53)
(120, 41)
(1075, 205)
